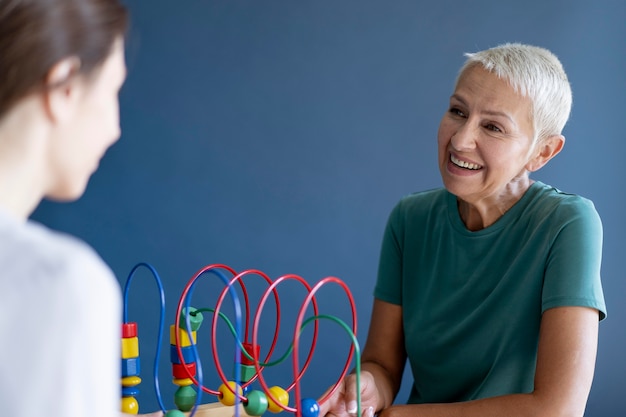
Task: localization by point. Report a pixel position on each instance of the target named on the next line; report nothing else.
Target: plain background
(278, 134)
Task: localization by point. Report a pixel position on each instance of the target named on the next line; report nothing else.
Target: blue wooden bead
(130, 391)
(309, 408)
(187, 352)
(130, 367)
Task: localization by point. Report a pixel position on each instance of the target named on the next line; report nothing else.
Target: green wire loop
(355, 343)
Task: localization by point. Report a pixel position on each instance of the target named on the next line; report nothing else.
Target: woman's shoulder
(550, 200)
(417, 208)
(35, 251)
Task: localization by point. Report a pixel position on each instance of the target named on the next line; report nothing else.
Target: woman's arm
(382, 364)
(565, 365)
(384, 355)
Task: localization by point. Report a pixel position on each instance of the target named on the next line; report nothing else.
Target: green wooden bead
(185, 398)
(257, 403)
(195, 319)
(174, 413)
(246, 373)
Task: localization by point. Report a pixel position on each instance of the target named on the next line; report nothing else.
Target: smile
(463, 164)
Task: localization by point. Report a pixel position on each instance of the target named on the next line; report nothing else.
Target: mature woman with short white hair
(490, 287)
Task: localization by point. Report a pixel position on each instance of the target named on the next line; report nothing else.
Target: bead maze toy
(235, 397)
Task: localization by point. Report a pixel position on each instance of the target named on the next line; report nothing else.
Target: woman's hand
(343, 402)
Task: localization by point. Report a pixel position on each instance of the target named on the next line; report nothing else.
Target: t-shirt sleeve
(572, 275)
(389, 283)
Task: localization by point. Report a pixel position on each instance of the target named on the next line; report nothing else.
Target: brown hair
(37, 34)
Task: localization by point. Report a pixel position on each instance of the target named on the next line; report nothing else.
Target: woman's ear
(546, 149)
(62, 88)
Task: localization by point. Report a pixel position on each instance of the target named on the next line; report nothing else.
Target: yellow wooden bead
(131, 381)
(184, 337)
(183, 382)
(227, 396)
(130, 405)
(130, 347)
(281, 395)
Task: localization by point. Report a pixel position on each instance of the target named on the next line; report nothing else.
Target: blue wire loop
(159, 283)
(238, 330)
(238, 326)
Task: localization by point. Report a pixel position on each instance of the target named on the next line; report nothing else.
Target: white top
(60, 315)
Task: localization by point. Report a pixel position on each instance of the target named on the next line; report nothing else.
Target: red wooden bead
(254, 353)
(178, 370)
(129, 329)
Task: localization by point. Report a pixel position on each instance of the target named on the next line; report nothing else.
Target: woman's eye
(493, 128)
(456, 112)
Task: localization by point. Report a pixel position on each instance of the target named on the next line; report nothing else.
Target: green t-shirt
(472, 301)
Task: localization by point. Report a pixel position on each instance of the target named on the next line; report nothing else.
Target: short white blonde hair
(535, 73)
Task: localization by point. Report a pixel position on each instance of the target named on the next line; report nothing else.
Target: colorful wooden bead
(195, 319)
(131, 367)
(131, 381)
(227, 395)
(251, 350)
(130, 391)
(129, 329)
(130, 347)
(183, 336)
(130, 405)
(185, 398)
(256, 403)
(246, 372)
(309, 408)
(281, 396)
(182, 382)
(174, 413)
(187, 352)
(180, 371)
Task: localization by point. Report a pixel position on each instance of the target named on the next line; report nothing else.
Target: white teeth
(463, 164)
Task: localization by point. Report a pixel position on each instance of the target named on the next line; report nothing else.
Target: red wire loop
(271, 290)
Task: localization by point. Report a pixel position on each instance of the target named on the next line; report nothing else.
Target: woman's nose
(465, 136)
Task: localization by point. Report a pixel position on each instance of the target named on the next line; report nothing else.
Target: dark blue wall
(278, 135)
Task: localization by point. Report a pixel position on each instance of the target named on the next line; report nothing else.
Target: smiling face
(485, 141)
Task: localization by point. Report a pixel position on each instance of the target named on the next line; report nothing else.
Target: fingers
(344, 401)
(350, 395)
